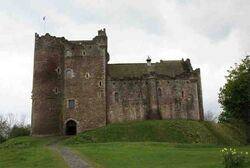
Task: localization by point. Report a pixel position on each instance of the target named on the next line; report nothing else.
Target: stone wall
(153, 97)
(69, 70)
(127, 100)
(47, 84)
(87, 85)
(178, 99)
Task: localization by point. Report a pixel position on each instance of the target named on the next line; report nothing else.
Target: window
(182, 94)
(71, 103)
(69, 73)
(99, 94)
(83, 53)
(58, 70)
(87, 75)
(159, 92)
(56, 90)
(100, 84)
(116, 97)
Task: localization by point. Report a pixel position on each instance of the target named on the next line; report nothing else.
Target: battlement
(102, 32)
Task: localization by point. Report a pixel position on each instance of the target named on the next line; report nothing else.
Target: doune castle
(75, 89)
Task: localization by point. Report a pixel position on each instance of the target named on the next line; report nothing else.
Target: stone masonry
(75, 89)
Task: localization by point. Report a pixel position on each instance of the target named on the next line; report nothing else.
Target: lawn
(173, 131)
(145, 144)
(29, 152)
(152, 155)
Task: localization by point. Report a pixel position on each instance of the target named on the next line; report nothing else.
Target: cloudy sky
(213, 34)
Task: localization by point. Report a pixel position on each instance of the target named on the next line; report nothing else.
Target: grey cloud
(213, 34)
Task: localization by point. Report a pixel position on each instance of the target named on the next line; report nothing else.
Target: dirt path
(73, 160)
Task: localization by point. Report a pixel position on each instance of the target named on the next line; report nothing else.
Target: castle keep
(75, 89)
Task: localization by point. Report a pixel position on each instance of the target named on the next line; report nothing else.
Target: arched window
(56, 90)
(83, 53)
(58, 70)
(69, 73)
(159, 92)
(100, 83)
(116, 97)
(87, 75)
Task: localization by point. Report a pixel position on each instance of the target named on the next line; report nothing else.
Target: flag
(44, 18)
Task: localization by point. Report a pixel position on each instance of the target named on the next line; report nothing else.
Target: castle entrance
(71, 127)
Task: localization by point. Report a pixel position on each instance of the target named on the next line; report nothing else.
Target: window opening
(71, 103)
(116, 97)
(159, 92)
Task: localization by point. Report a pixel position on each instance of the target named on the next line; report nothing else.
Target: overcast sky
(213, 34)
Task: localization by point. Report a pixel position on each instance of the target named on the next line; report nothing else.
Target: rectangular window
(116, 97)
(71, 103)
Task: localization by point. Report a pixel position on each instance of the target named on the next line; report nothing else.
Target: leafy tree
(234, 96)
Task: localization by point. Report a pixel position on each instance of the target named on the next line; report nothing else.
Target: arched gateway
(71, 127)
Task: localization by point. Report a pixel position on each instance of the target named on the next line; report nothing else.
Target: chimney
(148, 61)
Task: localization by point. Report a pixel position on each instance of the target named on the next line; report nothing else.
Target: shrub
(234, 159)
(19, 131)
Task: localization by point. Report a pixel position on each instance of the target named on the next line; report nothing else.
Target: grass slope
(29, 152)
(153, 154)
(174, 131)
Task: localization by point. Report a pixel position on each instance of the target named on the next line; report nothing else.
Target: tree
(209, 116)
(234, 96)
(4, 129)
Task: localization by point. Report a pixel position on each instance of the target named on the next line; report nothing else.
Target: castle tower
(85, 84)
(47, 86)
(69, 84)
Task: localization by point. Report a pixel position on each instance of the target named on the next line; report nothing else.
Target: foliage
(175, 131)
(234, 96)
(19, 130)
(234, 159)
(4, 129)
(10, 127)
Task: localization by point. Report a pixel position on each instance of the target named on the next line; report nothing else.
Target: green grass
(152, 154)
(174, 131)
(131, 145)
(29, 152)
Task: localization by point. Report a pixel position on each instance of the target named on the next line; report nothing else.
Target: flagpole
(44, 24)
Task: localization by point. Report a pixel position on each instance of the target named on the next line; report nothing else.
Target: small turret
(102, 32)
(101, 39)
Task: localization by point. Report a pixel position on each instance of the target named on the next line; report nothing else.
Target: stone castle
(75, 89)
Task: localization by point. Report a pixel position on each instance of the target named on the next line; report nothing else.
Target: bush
(4, 129)
(234, 159)
(2, 139)
(19, 131)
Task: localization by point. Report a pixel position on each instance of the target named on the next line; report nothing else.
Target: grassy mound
(174, 131)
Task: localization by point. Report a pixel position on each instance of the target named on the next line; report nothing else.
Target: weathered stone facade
(75, 89)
